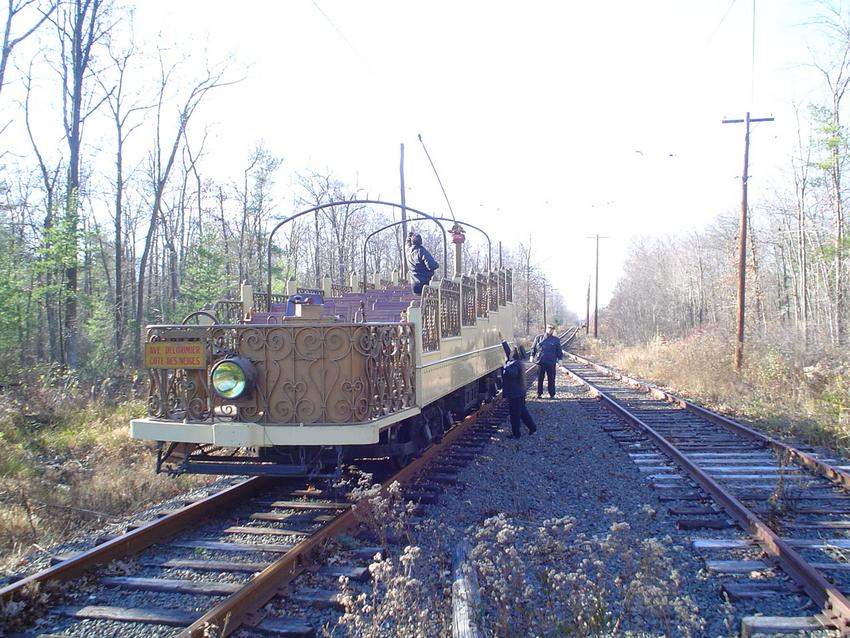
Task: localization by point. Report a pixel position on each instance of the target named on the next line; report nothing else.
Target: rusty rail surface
(137, 540)
(835, 604)
(827, 471)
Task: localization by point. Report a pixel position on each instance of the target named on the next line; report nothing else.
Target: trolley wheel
(411, 430)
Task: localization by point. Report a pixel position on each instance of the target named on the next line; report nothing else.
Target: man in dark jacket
(547, 352)
(513, 389)
(422, 264)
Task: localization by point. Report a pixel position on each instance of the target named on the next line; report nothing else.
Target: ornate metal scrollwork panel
(467, 287)
(449, 309)
(329, 373)
(502, 286)
(430, 319)
(482, 303)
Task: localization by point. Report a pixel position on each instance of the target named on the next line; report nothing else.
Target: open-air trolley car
(299, 383)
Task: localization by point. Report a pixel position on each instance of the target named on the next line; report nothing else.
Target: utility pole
(587, 317)
(596, 293)
(403, 218)
(742, 235)
(544, 304)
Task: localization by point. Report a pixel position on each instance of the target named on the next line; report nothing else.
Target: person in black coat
(513, 389)
(422, 264)
(547, 352)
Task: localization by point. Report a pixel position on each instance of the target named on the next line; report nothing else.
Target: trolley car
(298, 383)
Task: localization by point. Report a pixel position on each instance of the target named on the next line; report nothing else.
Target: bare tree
(161, 164)
(836, 76)
(10, 41)
(80, 25)
(801, 163)
(49, 178)
(125, 121)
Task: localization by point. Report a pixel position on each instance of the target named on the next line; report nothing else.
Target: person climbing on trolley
(513, 389)
(422, 264)
(546, 351)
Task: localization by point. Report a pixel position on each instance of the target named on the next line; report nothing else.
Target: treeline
(672, 285)
(797, 244)
(124, 223)
(796, 260)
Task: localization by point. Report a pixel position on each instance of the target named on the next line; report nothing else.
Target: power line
(720, 24)
(753, 60)
(341, 34)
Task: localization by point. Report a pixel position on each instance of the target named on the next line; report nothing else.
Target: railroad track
(211, 566)
(718, 474)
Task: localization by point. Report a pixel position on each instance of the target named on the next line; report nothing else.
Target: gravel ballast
(571, 467)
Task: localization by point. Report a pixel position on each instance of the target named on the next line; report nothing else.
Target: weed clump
(545, 582)
(382, 511)
(398, 605)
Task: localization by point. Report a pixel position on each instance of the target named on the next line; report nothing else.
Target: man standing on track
(513, 389)
(547, 352)
(422, 264)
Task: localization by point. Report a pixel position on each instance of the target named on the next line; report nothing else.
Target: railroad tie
(147, 615)
(205, 565)
(172, 585)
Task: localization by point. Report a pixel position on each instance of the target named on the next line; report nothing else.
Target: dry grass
(781, 389)
(69, 465)
(533, 582)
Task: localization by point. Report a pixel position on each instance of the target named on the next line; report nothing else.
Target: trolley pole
(742, 236)
(403, 218)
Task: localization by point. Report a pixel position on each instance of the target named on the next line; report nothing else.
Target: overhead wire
(341, 34)
(753, 59)
(720, 24)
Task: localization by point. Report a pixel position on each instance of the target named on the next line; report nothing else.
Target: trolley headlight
(233, 377)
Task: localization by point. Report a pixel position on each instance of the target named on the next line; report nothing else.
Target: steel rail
(135, 541)
(825, 470)
(835, 605)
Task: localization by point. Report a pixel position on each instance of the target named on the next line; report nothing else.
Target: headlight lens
(232, 378)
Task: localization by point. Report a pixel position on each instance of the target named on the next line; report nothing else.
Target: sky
(548, 121)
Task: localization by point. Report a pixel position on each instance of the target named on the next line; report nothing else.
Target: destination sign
(176, 354)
